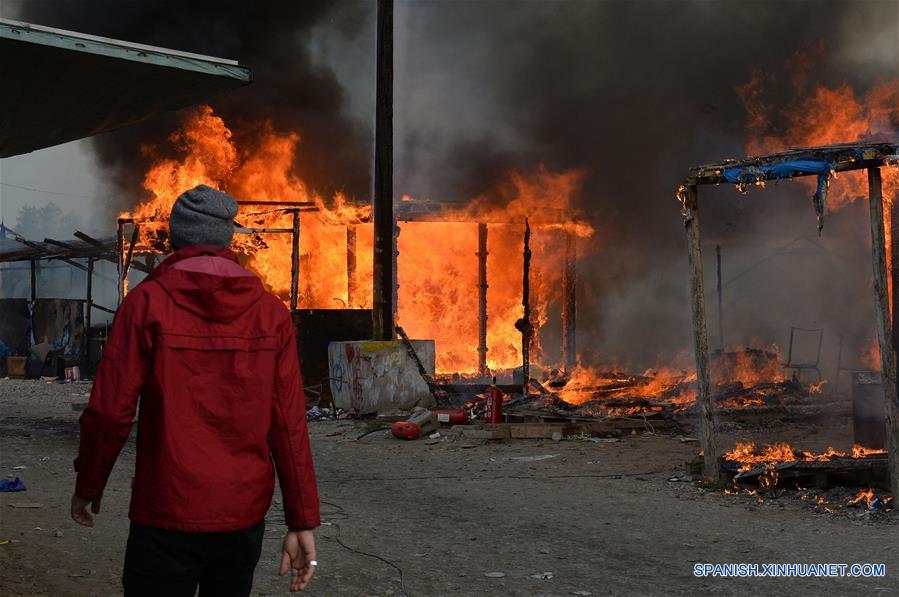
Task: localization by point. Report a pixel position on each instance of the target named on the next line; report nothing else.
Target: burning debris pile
(780, 465)
(748, 378)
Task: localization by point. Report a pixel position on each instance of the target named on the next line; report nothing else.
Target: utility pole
(383, 297)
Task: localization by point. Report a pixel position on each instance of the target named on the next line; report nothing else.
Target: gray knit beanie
(202, 216)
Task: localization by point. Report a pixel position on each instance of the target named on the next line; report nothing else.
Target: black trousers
(161, 563)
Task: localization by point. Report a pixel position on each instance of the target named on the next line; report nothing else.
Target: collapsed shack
(824, 162)
(52, 332)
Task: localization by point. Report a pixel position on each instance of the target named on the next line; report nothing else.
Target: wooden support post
(884, 320)
(351, 300)
(708, 440)
(482, 299)
(384, 278)
(120, 256)
(525, 322)
(569, 303)
(88, 307)
(720, 304)
(33, 282)
(295, 262)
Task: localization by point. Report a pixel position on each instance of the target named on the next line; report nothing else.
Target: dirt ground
(408, 518)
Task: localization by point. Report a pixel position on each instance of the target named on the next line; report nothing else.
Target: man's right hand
(79, 510)
(298, 558)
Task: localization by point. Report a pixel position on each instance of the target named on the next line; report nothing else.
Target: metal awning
(59, 86)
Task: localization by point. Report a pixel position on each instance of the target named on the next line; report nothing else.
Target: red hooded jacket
(213, 358)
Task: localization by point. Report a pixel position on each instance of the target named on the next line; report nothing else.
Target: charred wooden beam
(44, 254)
(884, 320)
(569, 303)
(384, 278)
(135, 236)
(351, 290)
(525, 326)
(295, 262)
(707, 434)
(482, 299)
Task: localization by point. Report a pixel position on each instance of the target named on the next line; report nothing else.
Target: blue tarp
(748, 175)
(786, 169)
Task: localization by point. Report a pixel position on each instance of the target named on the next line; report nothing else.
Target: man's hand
(79, 510)
(296, 554)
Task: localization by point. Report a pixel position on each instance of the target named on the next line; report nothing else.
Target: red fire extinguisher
(494, 404)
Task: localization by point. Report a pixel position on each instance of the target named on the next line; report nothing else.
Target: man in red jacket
(212, 357)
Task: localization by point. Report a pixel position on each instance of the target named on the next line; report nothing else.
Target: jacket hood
(207, 281)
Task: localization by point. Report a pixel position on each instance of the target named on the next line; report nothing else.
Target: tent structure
(59, 86)
(822, 162)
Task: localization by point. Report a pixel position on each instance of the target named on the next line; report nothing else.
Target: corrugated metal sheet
(59, 86)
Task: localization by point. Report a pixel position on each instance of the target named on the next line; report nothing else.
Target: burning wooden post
(569, 303)
(524, 324)
(351, 265)
(482, 299)
(707, 435)
(295, 261)
(885, 325)
(120, 252)
(382, 209)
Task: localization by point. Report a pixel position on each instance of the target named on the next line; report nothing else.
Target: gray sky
(65, 175)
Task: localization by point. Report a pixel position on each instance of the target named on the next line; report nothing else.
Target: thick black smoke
(632, 93)
(270, 37)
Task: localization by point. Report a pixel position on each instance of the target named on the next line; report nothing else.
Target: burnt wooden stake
(884, 320)
(525, 329)
(351, 265)
(295, 263)
(569, 303)
(383, 290)
(482, 299)
(720, 303)
(708, 440)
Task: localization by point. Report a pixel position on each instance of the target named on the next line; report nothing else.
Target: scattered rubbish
(19, 468)
(435, 435)
(536, 458)
(580, 437)
(334, 434)
(495, 574)
(37, 529)
(687, 440)
(581, 593)
(45, 458)
(543, 576)
(11, 486)
(5, 542)
(557, 436)
(57, 533)
(29, 505)
(604, 440)
(467, 446)
(421, 419)
(452, 416)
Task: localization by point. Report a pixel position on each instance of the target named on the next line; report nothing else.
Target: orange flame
(437, 266)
